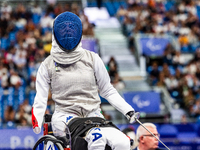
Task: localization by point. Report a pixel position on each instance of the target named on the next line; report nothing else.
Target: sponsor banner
(148, 102)
(23, 138)
(153, 46)
(182, 146)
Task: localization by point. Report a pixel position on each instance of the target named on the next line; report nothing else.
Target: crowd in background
(25, 41)
(179, 19)
(25, 33)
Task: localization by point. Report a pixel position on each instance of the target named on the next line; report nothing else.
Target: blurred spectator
(190, 68)
(161, 80)
(46, 21)
(195, 109)
(21, 15)
(36, 9)
(154, 73)
(15, 79)
(20, 114)
(112, 63)
(51, 2)
(184, 42)
(189, 98)
(117, 82)
(30, 26)
(197, 54)
(23, 114)
(6, 10)
(165, 70)
(198, 73)
(152, 4)
(88, 28)
(75, 8)
(168, 55)
(9, 57)
(20, 59)
(29, 38)
(32, 49)
(58, 9)
(178, 75)
(112, 68)
(32, 81)
(23, 123)
(121, 12)
(178, 59)
(27, 107)
(171, 83)
(127, 25)
(3, 75)
(9, 114)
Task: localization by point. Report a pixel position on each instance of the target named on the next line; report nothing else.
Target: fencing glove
(132, 116)
(36, 128)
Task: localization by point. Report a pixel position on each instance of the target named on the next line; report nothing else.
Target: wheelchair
(73, 136)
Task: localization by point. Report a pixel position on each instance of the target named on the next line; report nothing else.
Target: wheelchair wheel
(48, 142)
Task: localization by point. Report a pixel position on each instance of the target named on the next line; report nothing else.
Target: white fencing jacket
(75, 80)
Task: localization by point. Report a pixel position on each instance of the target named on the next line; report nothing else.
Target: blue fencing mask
(67, 30)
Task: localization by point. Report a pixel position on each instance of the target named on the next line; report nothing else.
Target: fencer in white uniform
(76, 77)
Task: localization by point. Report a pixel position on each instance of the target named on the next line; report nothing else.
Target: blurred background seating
(150, 48)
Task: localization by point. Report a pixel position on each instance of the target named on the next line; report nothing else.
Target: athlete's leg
(59, 121)
(116, 139)
(96, 140)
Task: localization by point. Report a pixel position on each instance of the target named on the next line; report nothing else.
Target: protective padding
(67, 30)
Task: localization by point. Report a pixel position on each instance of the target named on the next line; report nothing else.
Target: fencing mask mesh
(67, 31)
